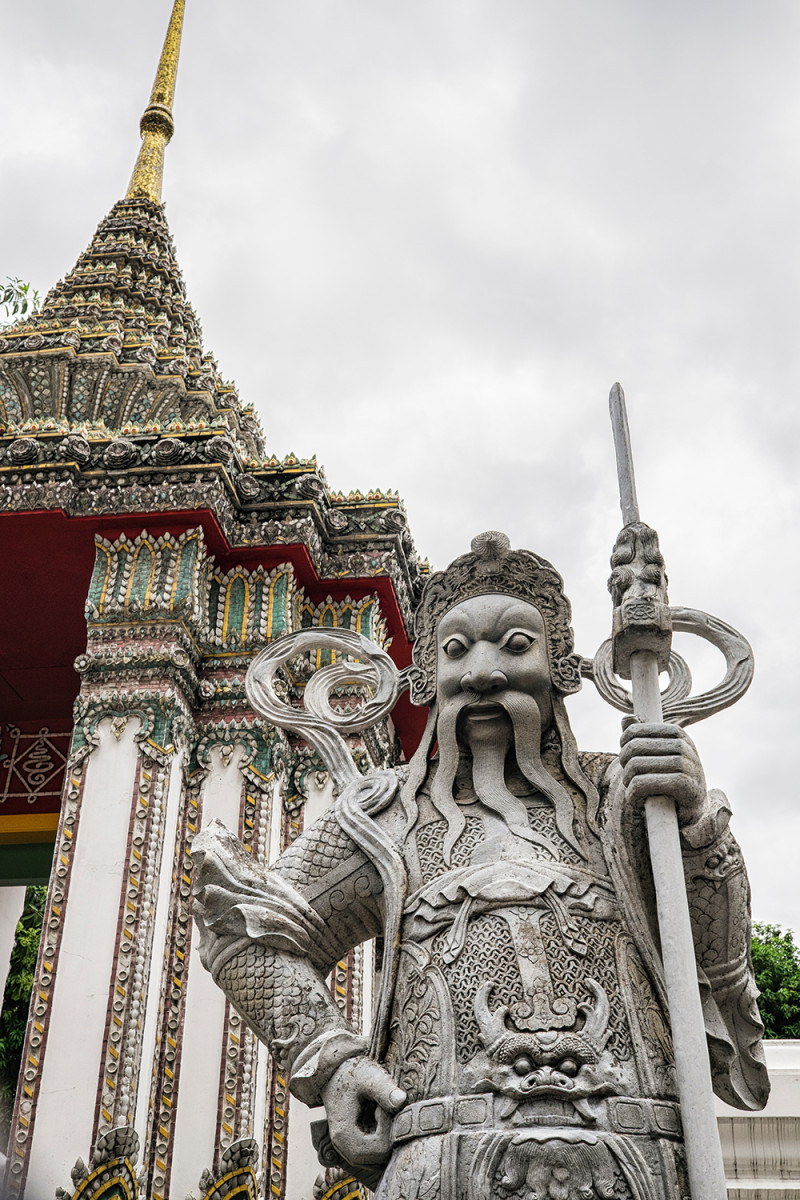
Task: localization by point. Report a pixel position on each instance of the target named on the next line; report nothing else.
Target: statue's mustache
(510, 700)
(488, 771)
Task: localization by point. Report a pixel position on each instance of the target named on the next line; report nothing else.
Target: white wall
(302, 1163)
(762, 1150)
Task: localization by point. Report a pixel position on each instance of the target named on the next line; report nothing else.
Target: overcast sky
(426, 237)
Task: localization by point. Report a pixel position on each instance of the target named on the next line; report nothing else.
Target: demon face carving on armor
(571, 1066)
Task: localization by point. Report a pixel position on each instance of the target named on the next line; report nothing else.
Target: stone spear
(641, 639)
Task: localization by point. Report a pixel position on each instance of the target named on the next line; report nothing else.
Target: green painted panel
(28, 862)
(365, 619)
(102, 565)
(122, 558)
(160, 582)
(186, 568)
(142, 574)
(237, 599)
(279, 622)
(325, 657)
(213, 605)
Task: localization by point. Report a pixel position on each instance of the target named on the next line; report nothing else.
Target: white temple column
(159, 950)
(195, 1131)
(79, 940)
(302, 1164)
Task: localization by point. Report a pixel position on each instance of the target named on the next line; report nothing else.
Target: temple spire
(157, 125)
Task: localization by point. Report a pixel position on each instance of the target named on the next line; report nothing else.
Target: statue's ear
(567, 674)
(422, 683)
(422, 672)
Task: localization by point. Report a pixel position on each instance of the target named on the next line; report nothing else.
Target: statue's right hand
(360, 1100)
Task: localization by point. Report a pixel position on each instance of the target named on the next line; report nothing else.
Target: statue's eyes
(518, 643)
(454, 648)
(568, 1066)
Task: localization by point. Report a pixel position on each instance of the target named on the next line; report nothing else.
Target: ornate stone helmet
(493, 567)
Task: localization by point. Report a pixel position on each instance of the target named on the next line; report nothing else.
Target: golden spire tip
(157, 125)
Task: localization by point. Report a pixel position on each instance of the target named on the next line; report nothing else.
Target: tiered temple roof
(117, 341)
(113, 416)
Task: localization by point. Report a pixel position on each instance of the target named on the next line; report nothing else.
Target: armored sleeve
(269, 938)
(719, 907)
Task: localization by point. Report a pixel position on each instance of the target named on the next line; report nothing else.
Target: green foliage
(17, 298)
(16, 1001)
(776, 959)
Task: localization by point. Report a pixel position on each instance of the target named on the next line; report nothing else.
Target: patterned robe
(522, 1004)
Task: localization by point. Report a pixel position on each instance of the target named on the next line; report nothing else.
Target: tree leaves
(18, 298)
(14, 1018)
(776, 959)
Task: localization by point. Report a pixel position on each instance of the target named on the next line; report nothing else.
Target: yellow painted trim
(271, 602)
(369, 605)
(86, 1187)
(107, 553)
(266, 778)
(176, 574)
(356, 1195)
(28, 827)
(163, 750)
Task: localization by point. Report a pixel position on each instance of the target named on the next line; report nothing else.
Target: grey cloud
(426, 238)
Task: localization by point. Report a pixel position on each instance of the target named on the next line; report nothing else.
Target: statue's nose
(486, 682)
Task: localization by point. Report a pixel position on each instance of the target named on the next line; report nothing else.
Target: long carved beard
(488, 772)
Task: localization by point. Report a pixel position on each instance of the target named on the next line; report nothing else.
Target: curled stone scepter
(523, 1043)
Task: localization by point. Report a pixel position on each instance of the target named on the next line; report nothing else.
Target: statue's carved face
(494, 695)
(488, 646)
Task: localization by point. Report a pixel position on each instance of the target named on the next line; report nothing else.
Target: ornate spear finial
(157, 125)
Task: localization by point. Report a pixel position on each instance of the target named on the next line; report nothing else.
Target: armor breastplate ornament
(510, 1017)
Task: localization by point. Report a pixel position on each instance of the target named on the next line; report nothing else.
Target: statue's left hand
(360, 1099)
(662, 760)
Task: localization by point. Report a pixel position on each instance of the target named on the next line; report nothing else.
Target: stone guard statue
(520, 1047)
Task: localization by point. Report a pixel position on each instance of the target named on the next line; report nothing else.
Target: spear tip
(622, 446)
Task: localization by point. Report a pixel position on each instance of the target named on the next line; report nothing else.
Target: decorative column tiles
(276, 1133)
(276, 1136)
(248, 607)
(342, 985)
(46, 964)
(145, 573)
(169, 1043)
(362, 615)
(239, 1056)
(169, 577)
(239, 1060)
(118, 1086)
(292, 824)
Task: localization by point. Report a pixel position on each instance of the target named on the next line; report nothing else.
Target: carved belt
(446, 1114)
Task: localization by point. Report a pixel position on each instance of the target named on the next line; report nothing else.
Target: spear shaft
(692, 1066)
